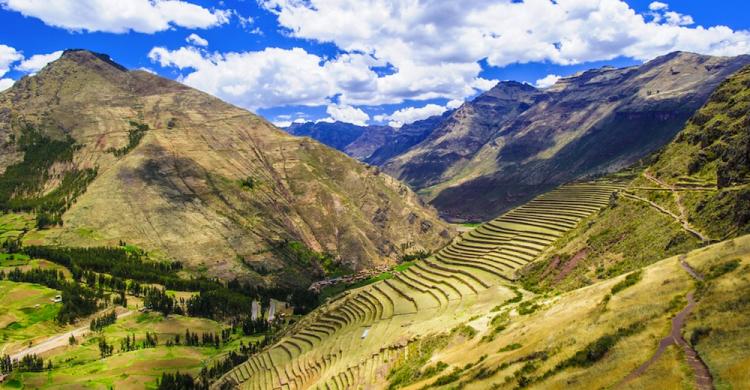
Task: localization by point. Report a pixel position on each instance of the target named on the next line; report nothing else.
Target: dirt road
(58, 340)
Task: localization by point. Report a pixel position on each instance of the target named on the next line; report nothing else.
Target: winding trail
(678, 201)
(703, 379)
(58, 340)
(684, 223)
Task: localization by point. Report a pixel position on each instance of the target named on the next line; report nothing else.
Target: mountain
(371, 144)
(105, 155)
(515, 141)
(334, 134)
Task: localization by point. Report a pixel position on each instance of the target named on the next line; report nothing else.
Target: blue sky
(364, 61)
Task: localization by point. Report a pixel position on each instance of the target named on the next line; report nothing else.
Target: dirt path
(59, 340)
(678, 201)
(685, 225)
(703, 379)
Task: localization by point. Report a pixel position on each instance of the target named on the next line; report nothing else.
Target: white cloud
(453, 104)
(657, 6)
(408, 115)
(348, 114)
(269, 78)
(284, 121)
(504, 32)
(36, 62)
(8, 56)
(148, 70)
(118, 16)
(6, 83)
(547, 81)
(196, 39)
(433, 48)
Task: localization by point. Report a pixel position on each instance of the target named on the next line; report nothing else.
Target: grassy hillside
(713, 153)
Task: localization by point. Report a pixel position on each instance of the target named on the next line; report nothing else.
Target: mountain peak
(90, 59)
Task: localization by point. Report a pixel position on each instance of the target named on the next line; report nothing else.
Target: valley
(164, 239)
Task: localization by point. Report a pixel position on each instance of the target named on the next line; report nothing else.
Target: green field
(81, 366)
(21, 320)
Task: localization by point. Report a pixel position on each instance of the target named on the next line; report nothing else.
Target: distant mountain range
(105, 155)
(516, 141)
(371, 144)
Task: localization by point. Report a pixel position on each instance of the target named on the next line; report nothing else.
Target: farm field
(80, 365)
(27, 314)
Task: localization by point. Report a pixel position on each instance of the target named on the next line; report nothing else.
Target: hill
(105, 155)
(515, 141)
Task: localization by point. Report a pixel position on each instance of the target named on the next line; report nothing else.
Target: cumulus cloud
(433, 49)
(117, 16)
(197, 40)
(269, 78)
(36, 62)
(8, 56)
(408, 115)
(547, 81)
(563, 32)
(657, 6)
(6, 83)
(348, 114)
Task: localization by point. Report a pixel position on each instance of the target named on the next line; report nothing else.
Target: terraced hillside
(354, 339)
(507, 243)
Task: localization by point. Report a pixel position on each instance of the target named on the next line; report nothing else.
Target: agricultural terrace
(354, 338)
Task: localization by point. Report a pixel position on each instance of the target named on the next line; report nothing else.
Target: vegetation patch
(420, 352)
(135, 135)
(630, 280)
(22, 184)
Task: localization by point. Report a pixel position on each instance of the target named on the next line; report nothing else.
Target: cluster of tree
(47, 277)
(105, 349)
(178, 381)
(233, 359)
(100, 322)
(113, 261)
(206, 338)
(301, 299)
(256, 326)
(157, 299)
(129, 343)
(30, 362)
(77, 301)
(22, 183)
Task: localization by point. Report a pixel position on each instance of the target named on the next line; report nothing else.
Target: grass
(622, 238)
(21, 320)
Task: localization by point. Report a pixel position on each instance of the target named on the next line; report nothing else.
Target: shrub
(630, 280)
(718, 270)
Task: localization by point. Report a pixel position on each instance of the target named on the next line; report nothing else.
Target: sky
(364, 61)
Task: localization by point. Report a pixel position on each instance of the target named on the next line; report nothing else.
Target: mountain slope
(515, 142)
(711, 157)
(186, 176)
